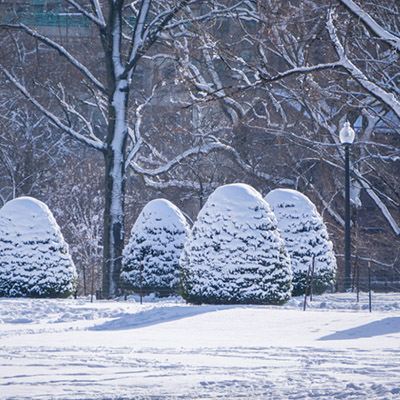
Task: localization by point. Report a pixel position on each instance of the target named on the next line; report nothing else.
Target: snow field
(74, 349)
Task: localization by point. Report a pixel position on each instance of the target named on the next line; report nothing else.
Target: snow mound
(236, 193)
(234, 253)
(31, 217)
(306, 236)
(34, 258)
(162, 212)
(55, 311)
(151, 258)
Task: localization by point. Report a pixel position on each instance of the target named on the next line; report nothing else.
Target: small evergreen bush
(151, 258)
(34, 258)
(305, 234)
(234, 253)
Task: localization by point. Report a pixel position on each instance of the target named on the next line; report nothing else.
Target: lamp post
(346, 136)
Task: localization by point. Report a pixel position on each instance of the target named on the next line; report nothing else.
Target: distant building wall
(53, 18)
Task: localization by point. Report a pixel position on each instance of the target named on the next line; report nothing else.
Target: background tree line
(139, 100)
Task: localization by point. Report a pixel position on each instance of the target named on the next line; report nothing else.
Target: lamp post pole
(347, 137)
(347, 234)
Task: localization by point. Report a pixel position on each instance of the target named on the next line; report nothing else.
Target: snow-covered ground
(74, 349)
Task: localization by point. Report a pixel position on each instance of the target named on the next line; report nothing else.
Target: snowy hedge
(34, 258)
(305, 234)
(234, 253)
(156, 241)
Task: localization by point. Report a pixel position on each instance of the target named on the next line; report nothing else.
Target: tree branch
(99, 20)
(99, 13)
(148, 38)
(387, 98)
(70, 58)
(385, 212)
(369, 22)
(206, 149)
(96, 144)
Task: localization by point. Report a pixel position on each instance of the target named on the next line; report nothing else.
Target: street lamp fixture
(346, 136)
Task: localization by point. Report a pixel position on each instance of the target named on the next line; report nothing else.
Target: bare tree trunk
(115, 156)
(113, 226)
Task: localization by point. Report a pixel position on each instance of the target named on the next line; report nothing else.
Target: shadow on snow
(156, 316)
(377, 328)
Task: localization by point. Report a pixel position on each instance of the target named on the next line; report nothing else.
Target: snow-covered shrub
(34, 258)
(305, 234)
(234, 253)
(151, 258)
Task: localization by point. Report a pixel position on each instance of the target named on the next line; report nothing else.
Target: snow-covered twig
(94, 143)
(61, 50)
(206, 149)
(99, 20)
(384, 210)
(372, 88)
(145, 37)
(99, 13)
(368, 21)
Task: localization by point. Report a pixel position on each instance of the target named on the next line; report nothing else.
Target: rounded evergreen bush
(305, 234)
(234, 253)
(151, 258)
(34, 258)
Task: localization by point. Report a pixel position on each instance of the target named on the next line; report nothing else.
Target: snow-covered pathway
(66, 349)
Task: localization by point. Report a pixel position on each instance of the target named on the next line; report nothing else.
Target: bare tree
(159, 86)
(121, 35)
(296, 72)
(29, 150)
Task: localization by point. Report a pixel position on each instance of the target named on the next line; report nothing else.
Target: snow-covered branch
(233, 108)
(387, 98)
(98, 20)
(144, 37)
(135, 134)
(369, 22)
(70, 109)
(385, 212)
(97, 8)
(207, 149)
(208, 16)
(139, 33)
(177, 184)
(298, 71)
(61, 50)
(92, 142)
(328, 207)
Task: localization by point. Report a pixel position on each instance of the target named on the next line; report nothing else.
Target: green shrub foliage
(305, 234)
(34, 258)
(151, 258)
(234, 253)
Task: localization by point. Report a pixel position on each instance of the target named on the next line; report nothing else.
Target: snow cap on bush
(156, 241)
(305, 234)
(34, 258)
(234, 253)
